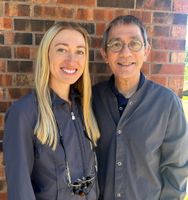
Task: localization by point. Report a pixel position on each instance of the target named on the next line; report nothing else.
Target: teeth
(125, 64)
(69, 71)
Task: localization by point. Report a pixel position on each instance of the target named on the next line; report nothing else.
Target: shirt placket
(120, 166)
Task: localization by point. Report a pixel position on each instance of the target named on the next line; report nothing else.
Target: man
(143, 149)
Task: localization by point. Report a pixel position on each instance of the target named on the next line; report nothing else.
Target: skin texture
(67, 60)
(126, 64)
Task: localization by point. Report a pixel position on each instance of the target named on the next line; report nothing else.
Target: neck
(128, 86)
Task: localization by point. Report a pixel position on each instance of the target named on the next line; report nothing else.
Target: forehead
(69, 37)
(124, 31)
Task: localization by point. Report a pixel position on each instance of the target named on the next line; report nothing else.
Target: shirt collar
(56, 100)
(115, 90)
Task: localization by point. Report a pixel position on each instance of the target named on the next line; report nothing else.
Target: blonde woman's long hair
(46, 128)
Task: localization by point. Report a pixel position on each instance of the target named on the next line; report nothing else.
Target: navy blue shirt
(122, 101)
(34, 170)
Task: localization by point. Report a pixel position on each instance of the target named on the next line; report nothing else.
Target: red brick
(84, 14)
(1, 134)
(13, 9)
(38, 11)
(159, 56)
(179, 32)
(41, 1)
(5, 80)
(1, 9)
(22, 52)
(3, 185)
(3, 94)
(145, 68)
(176, 84)
(65, 12)
(99, 14)
(1, 123)
(78, 2)
(154, 4)
(178, 57)
(168, 69)
(3, 196)
(23, 80)
(96, 42)
(2, 65)
(9, 38)
(121, 11)
(4, 106)
(160, 31)
(162, 80)
(181, 6)
(98, 56)
(16, 93)
(109, 14)
(100, 28)
(168, 44)
(103, 14)
(163, 18)
(33, 52)
(2, 174)
(50, 11)
(145, 17)
(5, 23)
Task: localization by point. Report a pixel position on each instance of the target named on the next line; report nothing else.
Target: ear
(147, 52)
(104, 55)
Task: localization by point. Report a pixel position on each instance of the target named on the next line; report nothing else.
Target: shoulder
(161, 92)
(23, 109)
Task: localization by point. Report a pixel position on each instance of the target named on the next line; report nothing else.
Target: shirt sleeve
(18, 154)
(174, 158)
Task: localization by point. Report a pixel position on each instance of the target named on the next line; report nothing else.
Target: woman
(48, 143)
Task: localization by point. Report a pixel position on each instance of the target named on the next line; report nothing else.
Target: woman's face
(67, 57)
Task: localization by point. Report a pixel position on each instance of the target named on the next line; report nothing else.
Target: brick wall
(23, 23)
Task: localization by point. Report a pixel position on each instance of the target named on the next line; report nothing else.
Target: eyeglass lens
(117, 45)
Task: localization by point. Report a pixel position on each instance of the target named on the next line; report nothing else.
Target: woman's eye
(80, 52)
(61, 50)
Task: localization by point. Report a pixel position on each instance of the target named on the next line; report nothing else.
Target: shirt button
(118, 194)
(119, 132)
(130, 103)
(119, 163)
(120, 108)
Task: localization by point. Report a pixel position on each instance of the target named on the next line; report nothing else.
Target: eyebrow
(61, 43)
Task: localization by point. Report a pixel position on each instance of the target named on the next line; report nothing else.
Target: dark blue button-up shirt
(34, 170)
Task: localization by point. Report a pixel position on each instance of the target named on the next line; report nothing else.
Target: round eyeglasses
(116, 45)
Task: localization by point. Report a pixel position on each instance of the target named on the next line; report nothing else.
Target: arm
(174, 158)
(18, 154)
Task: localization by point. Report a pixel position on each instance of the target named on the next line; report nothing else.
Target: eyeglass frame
(109, 44)
(82, 185)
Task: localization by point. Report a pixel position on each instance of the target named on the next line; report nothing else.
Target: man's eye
(116, 44)
(135, 44)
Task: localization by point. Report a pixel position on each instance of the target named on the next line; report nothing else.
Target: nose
(70, 58)
(125, 49)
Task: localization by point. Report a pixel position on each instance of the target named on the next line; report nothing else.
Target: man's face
(125, 52)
